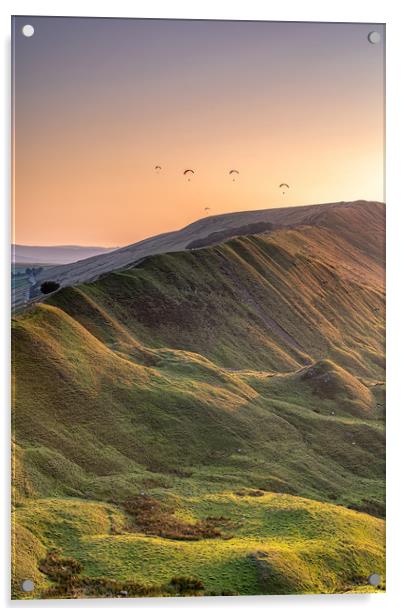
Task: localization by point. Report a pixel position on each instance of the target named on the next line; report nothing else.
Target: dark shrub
(186, 585)
(49, 286)
(60, 569)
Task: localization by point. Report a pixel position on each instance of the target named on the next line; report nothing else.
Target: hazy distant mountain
(57, 255)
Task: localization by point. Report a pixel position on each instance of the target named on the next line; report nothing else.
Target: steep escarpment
(255, 302)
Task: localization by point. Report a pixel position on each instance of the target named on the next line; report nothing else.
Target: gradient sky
(99, 102)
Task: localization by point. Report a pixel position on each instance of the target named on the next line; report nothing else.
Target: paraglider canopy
(283, 187)
(206, 209)
(232, 172)
(157, 168)
(188, 173)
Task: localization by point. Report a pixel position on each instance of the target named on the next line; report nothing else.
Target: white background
(292, 10)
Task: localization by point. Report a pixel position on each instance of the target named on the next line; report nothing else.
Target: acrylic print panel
(198, 308)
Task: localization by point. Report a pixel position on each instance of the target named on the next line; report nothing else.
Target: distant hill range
(54, 255)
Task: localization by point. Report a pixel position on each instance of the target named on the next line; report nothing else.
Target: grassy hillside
(267, 544)
(346, 220)
(215, 414)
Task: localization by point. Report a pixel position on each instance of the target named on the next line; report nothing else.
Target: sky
(98, 103)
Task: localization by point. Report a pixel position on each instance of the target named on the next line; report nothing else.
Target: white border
(291, 10)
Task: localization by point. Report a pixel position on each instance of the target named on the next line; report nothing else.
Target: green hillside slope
(216, 413)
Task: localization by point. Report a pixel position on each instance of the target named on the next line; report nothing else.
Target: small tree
(49, 286)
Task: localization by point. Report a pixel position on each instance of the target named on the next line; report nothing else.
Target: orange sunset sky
(99, 102)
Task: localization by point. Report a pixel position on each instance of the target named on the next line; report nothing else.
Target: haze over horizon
(73, 247)
(100, 102)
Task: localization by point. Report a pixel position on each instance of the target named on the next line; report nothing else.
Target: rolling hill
(348, 219)
(207, 421)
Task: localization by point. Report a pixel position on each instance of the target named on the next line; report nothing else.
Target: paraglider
(188, 173)
(207, 209)
(232, 172)
(283, 187)
(157, 168)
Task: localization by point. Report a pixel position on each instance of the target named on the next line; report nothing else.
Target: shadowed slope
(258, 302)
